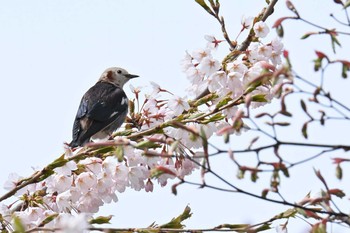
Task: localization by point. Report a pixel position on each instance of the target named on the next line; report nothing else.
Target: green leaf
(282, 123)
(59, 162)
(335, 42)
(347, 4)
(280, 31)
(254, 176)
(101, 220)
(264, 193)
(205, 99)
(259, 98)
(104, 150)
(305, 36)
(304, 130)
(176, 223)
(339, 172)
(214, 118)
(234, 227)
(240, 174)
(291, 7)
(205, 6)
(147, 145)
(303, 105)
(317, 64)
(264, 227)
(46, 173)
(345, 69)
(119, 153)
(287, 214)
(196, 115)
(18, 225)
(123, 132)
(204, 139)
(48, 219)
(160, 170)
(223, 102)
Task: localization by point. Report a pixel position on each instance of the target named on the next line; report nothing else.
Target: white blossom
(261, 29)
(178, 105)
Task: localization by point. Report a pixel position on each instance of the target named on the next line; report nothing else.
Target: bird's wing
(111, 100)
(100, 106)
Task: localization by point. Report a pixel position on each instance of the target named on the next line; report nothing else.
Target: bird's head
(116, 76)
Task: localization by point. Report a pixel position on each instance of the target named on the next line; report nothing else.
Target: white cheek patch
(124, 101)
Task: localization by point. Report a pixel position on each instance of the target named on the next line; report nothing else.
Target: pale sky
(51, 52)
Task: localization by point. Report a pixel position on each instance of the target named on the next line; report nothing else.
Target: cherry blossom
(261, 29)
(178, 105)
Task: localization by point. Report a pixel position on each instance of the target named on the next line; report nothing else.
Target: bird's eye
(119, 71)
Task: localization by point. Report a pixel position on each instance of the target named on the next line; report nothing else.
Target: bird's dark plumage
(103, 108)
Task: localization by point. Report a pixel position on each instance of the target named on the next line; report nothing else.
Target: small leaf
(279, 21)
(262, 114)
(264, 193)
(286, 113)
(344, 71)
(205, 99)
(223, 102)
(45, 175)
(280, 31)
(59, 162)
(254, 176)
(48, 219)
(339, 172)
(176, 223)
(306, 35)
(101, 220)
(234, 227)
(240, 174)
(160, 170)
(321, 55)
(290, 213)
(264, 227)
(347, 4)
(284, 169)
(304, 130)
(119, 153)
(131, 107)
(147, 145)
(337, 192)
(174, 189)
(303, 105)
(338, 2)
(259, 98)
(214, 118)
(282, 123)
(319, 176)
(317, 64)
(205, 6)
(291, 7)
(335, 41)
(18, 225)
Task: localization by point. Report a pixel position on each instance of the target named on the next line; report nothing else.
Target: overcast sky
(51, 52)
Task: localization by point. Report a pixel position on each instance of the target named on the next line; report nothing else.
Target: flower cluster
(84, 185)
(204, 71)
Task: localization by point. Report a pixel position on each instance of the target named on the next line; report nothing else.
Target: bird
(103, 108)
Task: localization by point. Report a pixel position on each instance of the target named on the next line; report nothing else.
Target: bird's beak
(131, 76)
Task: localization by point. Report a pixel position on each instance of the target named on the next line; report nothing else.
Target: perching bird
(103, 107)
